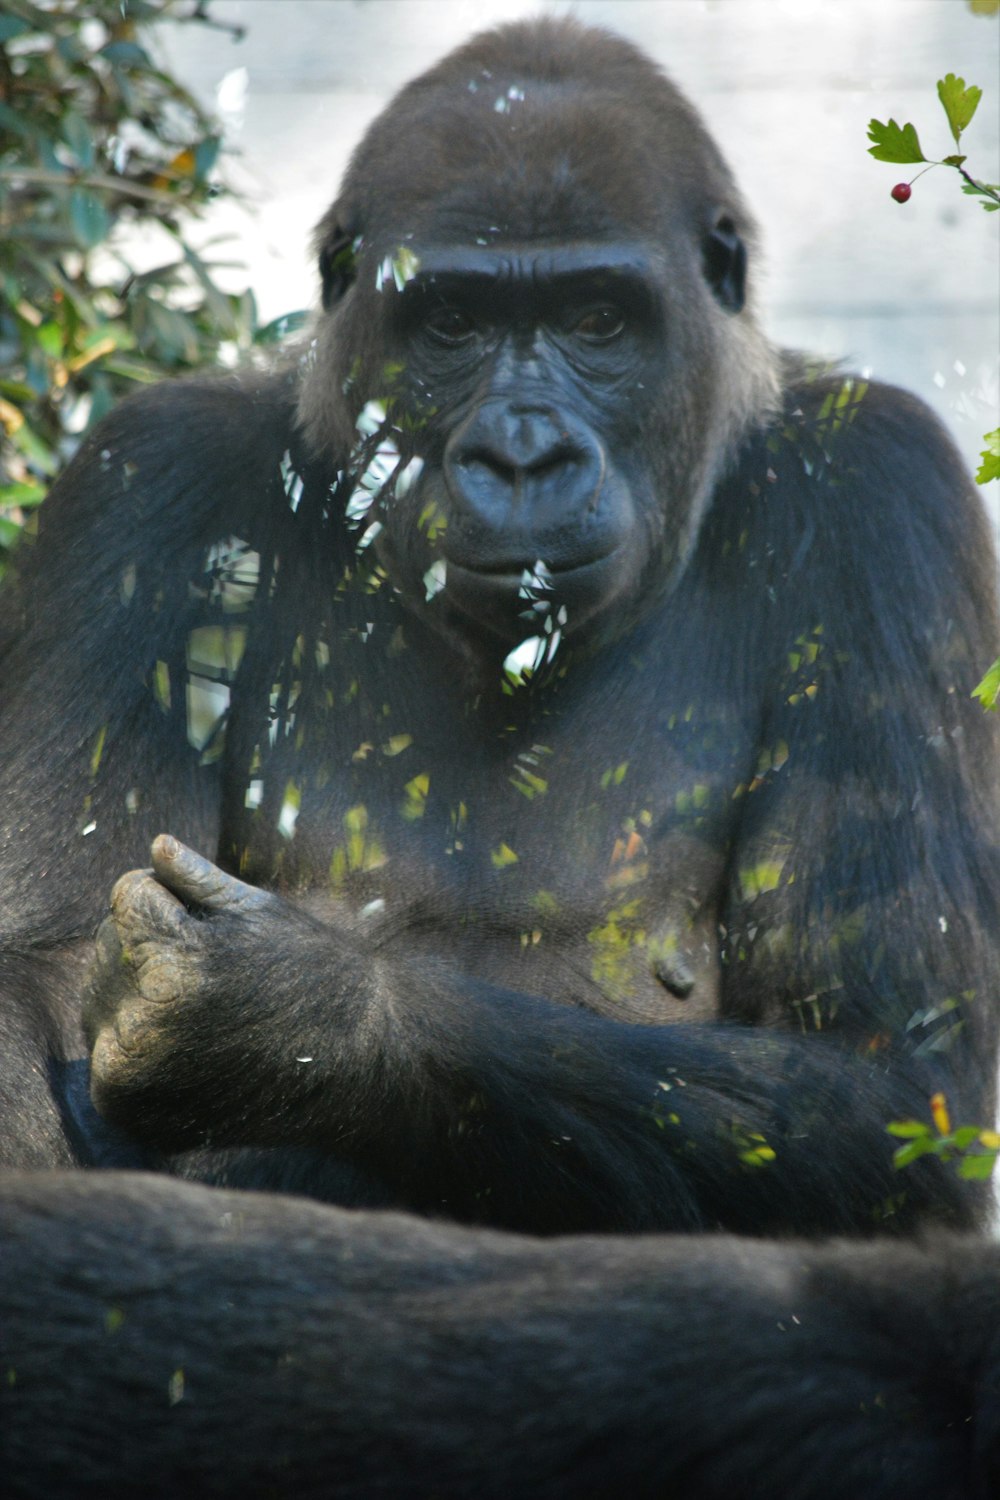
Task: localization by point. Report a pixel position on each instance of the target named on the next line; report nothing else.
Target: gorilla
(547, 706)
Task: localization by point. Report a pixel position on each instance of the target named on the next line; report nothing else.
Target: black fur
(662, 938)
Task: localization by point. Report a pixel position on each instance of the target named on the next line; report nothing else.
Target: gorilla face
(526, 380)
(550, 317)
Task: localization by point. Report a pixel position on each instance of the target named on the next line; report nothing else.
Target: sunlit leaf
(911, 1153)
(24, 495)
(894, 142)
(960, 103)
(977, 1168)
(908, 1129)
(988, 691)
(37, 452)
(990, 466)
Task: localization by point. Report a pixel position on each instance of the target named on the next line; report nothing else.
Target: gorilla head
(535, 284)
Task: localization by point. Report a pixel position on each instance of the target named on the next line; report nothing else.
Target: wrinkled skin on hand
(162, 969)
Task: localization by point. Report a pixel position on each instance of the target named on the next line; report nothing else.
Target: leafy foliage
(96, 139)
(990, 466)
(974, 1149)
(900, 143)
(988, 691)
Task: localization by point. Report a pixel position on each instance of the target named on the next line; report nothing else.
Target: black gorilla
(574, 696)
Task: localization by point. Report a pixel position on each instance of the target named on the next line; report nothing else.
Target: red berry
(901, 192)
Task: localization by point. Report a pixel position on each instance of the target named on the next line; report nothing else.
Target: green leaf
(894, 142)
(977, 1168)
(9, 532)
(126, 55)
(89, 218)
(907, 1154)
(49, 339)
(133, 369)
(12, 121)
(908, 1129)
(12, 26)
(78, 138)
(281, 327)
(23, 493)
(960, 103)
(990, 467)
(34, 450)
(16, 390)
(988, 691)
(953, 161)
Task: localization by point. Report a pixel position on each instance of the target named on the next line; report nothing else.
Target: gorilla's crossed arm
(219, 1013)
(251, 1346)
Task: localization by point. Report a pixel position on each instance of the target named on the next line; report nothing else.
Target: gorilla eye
(450, 326)
(600, 325)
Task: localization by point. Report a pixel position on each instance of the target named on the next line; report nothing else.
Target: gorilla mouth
(528, 580)
(506, 597)
(535, 571)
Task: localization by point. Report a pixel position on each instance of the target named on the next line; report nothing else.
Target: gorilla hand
(187, 988)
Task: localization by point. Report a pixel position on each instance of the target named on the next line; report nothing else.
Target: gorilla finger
(196, 880)
(142, 908)
(109, 983)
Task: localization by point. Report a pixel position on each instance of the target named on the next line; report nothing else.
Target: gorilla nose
(516, 460)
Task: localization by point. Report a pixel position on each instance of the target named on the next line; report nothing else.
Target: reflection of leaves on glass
(415, 797)
(988, 691)
(973, 1148)
(435, 579)
(527, 658)
(612, 942)
(526, 777)
(751, 1147)
(397, 269)
(361, 850)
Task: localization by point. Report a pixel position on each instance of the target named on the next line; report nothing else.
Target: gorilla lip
(497, 597)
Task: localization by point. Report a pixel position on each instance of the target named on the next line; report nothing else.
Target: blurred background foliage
(100, 149)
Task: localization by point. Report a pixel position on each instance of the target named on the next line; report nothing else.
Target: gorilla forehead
(521, 134)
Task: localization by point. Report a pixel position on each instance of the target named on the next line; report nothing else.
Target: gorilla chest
(586, 870)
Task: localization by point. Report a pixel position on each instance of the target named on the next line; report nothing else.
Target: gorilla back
(559, 704)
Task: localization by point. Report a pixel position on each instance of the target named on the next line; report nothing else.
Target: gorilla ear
(337, 266)
(725, 260)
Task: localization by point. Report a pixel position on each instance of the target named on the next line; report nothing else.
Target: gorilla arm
(96, 753)
(262, 1345)
(220, 1015)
